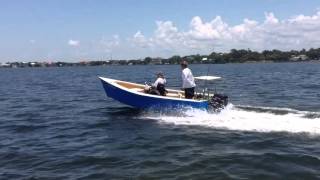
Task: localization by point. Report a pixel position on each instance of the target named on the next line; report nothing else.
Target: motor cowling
(218, 101)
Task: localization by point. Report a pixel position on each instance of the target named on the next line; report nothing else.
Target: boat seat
(137, 89)
(174, 95)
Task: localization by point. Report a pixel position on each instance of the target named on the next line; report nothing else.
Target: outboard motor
(218, 101)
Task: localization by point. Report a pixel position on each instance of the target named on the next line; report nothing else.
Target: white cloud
(205, 31)
(73, 42)
(296, 32)
(32, 41)
(108, 44)
(140, 40)
(271, 19)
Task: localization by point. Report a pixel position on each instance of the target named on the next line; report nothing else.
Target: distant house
(204, 59)
(114, 62)
(4, 65)
(32, 64)
(301, 57)
(24, 64)
(189, 58)
(84, 63)
(156, 61)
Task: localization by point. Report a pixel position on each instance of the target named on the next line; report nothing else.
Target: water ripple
(57, 123)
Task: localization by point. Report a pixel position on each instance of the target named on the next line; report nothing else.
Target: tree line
(247, 55)
(233, 56)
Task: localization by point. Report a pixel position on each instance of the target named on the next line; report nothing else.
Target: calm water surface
(57, 123)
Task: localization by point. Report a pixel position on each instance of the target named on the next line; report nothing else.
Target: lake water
(57, 123)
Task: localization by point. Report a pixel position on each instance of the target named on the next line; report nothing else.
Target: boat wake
(245, 118)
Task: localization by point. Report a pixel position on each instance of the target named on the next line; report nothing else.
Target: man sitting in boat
(158, 87)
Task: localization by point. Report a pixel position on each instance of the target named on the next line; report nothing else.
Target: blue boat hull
(148, 101)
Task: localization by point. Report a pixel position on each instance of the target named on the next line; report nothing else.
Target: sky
(75, 30)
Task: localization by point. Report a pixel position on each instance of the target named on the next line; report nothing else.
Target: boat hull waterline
(132, 94)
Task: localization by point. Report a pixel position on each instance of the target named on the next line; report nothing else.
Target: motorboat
(134, 94)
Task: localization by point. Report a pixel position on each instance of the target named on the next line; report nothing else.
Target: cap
(184, 63)
(160, 74)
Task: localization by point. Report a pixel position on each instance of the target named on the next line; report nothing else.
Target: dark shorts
(189, 93)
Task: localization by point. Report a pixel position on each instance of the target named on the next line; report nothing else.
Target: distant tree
(123, 62)
(147, 60)
(174, 59)
(313, 53)
(303, 51)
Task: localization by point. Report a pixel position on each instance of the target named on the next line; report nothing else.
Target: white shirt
(187, 78)
(159, 81)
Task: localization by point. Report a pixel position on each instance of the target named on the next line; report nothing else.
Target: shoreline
(65, 64)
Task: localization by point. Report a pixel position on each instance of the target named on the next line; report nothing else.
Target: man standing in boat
(188, 83)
